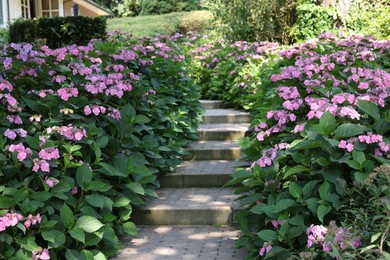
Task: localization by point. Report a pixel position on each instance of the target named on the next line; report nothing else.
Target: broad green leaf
(141, 119)
(267, 235)
(279, 252)
(97, 151)
(28, 243)
(370, 108)
(348, 130)
(130, 228)
(324, 189)
(98, 186)
(358, 156)
(88, 224)
(312, 204)
(308, 144)
(111, 170)
(95, 200)
(66, 216)
(307, 189)
(5, 202)
(294, 170)
(33, 142)
(84, 174)
(55, 238)
(99, 256)
(375, 237)
(327, 123)
(284, 204)
(354, 165)
(73, 255)
(322, 211)
(295, 190)
(41, 196)
(136, 187)
(122, 202)
(78, 234)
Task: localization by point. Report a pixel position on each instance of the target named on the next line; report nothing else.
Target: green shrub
(85, 130)
(322, 126)
(149, 7)
(4, 36)
(370, 18)
(59, 31)
(22, 30)
(255, 20)
(313, 20)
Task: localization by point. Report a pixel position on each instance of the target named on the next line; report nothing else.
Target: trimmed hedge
(59, 31)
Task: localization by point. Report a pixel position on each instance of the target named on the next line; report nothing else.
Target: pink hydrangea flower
(23, 152)
(49, 153)
(66, 93)
(9, 220)
(51, 181)
(40, 164)
(265, 249)
(32, 220)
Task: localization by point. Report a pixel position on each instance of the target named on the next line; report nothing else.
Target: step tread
(193, 199)
(213, 167)
(225, 127)
(182, 242)
(224, 112)
(214, 145)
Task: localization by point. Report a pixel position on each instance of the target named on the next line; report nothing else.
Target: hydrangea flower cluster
(316, 87)
(12, 219)
(317, 235)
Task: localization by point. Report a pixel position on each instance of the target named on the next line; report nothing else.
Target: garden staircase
(192, 217)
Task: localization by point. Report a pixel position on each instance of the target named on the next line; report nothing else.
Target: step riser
(221, 119)
(220, 216)
(222, 154)
(213, 105)
(194, 180)
(221, 136)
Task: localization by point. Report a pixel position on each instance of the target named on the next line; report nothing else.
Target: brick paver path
(194, 196)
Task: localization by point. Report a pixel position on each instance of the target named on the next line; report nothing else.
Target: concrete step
(182, 243)
(213, 150)
(222, 132)
(213, 104)
(201, 174)
(188, 206)
(221, 116)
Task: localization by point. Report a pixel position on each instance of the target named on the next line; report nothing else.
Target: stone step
(213, 104)
(182, 243)
(222, 132)
(221, 116)
(188, 206)
(213, 150)
(201, 174)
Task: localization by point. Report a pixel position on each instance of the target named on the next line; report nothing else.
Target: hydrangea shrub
(321, 126)
(84, 132)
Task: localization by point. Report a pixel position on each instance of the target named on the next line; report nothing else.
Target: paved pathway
(192, 218)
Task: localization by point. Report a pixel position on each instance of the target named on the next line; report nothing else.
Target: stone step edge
(191, 216)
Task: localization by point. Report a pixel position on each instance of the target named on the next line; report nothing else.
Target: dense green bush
(85, 131)
(149, 7)
(365, 17)
(255, 20)
(22, 30)
(322, 126)
(58, 31)
(216, 65)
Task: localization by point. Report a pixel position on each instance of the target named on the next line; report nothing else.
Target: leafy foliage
(255, 20)
(85, 130)
(319, 129)
(58, 31)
